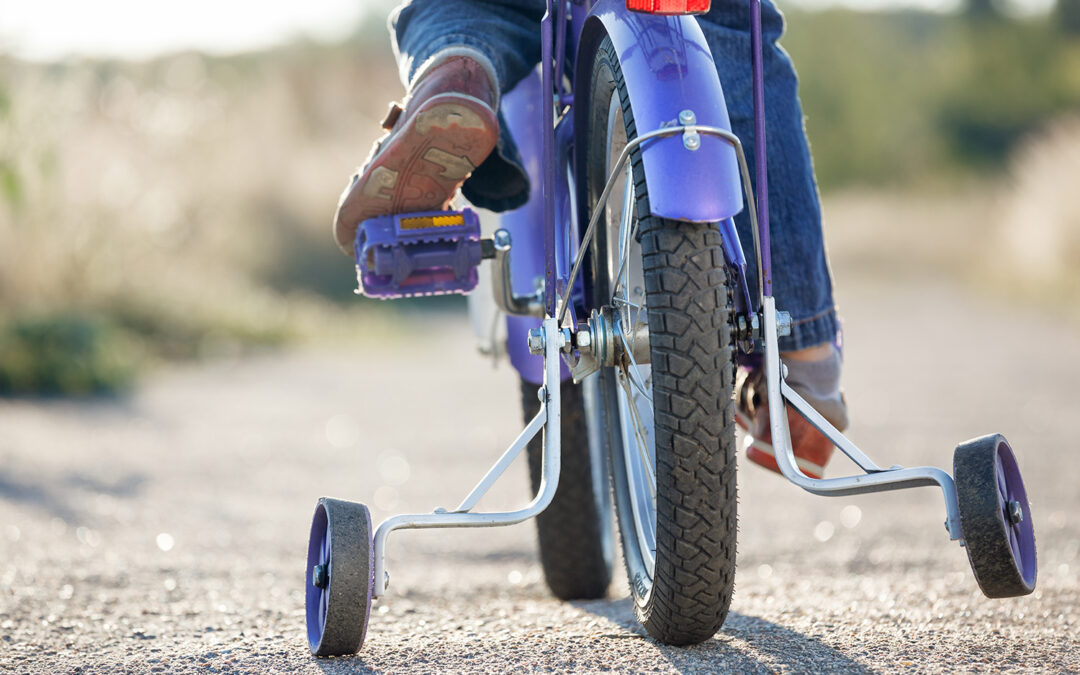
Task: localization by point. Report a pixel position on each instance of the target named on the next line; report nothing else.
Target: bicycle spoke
(639, 433)
(627, 232)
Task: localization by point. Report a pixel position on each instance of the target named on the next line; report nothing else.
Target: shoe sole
(743, 420)
(422, 165)
(761, 453)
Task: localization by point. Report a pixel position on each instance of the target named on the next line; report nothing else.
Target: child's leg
(507, 32)
(801, 280)
(456, 57)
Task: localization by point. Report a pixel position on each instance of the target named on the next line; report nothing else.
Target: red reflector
(669, 6)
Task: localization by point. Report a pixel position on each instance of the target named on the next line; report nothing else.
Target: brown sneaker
(812, 448)
(446, 128)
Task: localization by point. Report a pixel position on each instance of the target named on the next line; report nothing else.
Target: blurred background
(167, 175)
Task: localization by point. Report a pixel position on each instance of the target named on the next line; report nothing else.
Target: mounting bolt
(502, 239)
(566, 340)
(748, 327)
(690, 139)
(584, 338)
(536, 341)
(783, 323)
(320, 578)
(1015, 512)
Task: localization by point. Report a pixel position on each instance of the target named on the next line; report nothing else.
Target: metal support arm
(875, 480)
(549, 419)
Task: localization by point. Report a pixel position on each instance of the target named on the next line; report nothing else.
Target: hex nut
(584, 339)
(536, 341)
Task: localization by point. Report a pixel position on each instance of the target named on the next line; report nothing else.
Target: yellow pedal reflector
(425, 222)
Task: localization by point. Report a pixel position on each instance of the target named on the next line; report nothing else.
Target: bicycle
(632, 232)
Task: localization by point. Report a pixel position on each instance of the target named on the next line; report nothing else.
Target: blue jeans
(508, 32)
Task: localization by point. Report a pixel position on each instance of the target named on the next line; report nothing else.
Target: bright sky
(45, 29)
(49, 29)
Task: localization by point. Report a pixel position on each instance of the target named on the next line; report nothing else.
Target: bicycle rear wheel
(574, 532)
(669, 423)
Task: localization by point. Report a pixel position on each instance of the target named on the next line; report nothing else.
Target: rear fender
(668, 67)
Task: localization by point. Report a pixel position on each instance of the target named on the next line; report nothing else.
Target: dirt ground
(166, 531)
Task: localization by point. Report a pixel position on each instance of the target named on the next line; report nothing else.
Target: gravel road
(167, 531)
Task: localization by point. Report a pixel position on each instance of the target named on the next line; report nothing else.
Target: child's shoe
(812, 448)
(445, 129)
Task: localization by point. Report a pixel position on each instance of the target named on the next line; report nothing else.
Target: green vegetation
(64, 353)
(910, 98)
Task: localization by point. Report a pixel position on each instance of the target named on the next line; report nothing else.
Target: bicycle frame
(669, 71)
(697, 180)
(667, 111)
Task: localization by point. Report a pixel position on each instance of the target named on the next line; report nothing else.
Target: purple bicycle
(625, 289)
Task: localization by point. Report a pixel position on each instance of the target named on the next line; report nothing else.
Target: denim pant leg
(802, 283)
(507, 32)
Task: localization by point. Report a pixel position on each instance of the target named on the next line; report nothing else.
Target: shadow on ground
(55, 496)
(745, 644)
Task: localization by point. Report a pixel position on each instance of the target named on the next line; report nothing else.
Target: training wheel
(995, 517)
(340, 577)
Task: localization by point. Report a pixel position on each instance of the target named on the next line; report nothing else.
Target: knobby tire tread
(690, 313)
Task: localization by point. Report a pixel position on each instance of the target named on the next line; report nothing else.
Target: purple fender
(668, 68)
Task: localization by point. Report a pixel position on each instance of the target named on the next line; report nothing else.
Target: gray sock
(819, 383)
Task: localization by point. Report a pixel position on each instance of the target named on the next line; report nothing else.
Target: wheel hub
(320, 578)
(604, 339)
(1015, 512)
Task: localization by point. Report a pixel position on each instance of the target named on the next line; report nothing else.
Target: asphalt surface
(166, 532)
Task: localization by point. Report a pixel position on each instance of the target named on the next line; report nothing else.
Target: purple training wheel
(339, 577)
(995, 517)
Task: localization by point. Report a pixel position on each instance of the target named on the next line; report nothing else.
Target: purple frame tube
(762, 169)
(548, 121)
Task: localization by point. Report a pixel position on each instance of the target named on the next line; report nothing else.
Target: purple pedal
(414, 254)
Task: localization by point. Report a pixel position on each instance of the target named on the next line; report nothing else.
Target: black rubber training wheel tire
(684, 597)
(1000, 547)
(338, 597)
(574, 532)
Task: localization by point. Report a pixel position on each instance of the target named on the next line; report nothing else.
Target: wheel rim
(1020, 531)
(633, 381)
(316, 597)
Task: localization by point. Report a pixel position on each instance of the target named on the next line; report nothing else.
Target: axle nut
(320, 577)
(584, 338)
(536, 341)
(1015, 512)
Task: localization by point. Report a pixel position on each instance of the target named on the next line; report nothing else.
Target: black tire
(338, 597)
(1000, 547)
(684, 598)
(574, 531)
